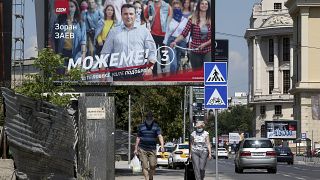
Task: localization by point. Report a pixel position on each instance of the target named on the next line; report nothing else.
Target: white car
(162, 157)
(179, 156)
(222, 152)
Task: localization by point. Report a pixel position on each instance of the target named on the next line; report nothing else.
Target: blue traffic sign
(216, 97)
(215, 73)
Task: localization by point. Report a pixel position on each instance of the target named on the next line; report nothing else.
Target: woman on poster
(199, 25)
(70, 33)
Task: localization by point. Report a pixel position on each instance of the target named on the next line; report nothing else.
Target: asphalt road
(226, 172)
(285, 172)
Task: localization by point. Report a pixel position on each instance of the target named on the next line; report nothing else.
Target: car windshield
(285, 149)
(221, 149)
(185, 146)
(257, 144)
(168, 149)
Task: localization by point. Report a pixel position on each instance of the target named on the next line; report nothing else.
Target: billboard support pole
(184, 113)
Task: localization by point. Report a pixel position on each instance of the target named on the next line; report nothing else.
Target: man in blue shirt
(146, 144)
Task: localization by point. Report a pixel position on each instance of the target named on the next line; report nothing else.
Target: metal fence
(41, 137)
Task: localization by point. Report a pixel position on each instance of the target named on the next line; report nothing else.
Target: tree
(43, 86)
(238, 119)
(164, 102)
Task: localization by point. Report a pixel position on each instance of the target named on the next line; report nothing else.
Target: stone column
(258, 70)
(304, 43)
(291, 62)
(276, 89)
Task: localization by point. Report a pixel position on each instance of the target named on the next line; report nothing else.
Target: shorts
(147, 156)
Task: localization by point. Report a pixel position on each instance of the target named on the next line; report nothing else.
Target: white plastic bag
(135, 165)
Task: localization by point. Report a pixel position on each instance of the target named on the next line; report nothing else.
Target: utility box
(96, 152)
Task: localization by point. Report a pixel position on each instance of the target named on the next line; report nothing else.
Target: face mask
(199, 130)
(177, 14)
(138, 12)
(72, 12)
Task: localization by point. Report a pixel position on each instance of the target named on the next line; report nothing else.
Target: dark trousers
(159, 42)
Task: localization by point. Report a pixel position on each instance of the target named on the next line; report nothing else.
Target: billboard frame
(289, 122)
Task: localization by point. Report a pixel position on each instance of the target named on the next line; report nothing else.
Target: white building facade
(270, 55)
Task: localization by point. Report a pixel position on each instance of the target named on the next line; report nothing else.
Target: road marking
(300, 178)
(287, 175)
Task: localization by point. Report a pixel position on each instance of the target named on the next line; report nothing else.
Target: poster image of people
(119, 40)
(281, 129)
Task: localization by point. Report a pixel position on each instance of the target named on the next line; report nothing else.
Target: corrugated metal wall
(41, 137)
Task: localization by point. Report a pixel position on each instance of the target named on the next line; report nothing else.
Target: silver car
(256, 153)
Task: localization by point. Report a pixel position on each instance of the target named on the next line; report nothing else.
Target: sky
(232, 17)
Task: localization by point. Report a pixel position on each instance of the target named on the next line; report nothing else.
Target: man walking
(146, 144)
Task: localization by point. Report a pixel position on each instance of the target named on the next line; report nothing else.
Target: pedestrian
(130, 39)
(200, 150)
(199, 25)
(146, 144)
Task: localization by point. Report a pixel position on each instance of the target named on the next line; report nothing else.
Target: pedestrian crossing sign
(216, 97)
(215, 73)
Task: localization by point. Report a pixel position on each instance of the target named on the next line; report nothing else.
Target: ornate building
(270, 58)
(306, 66)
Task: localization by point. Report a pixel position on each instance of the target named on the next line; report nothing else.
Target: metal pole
(129, 132)
(312, 143)
(190, 115)
(184, 113)
(217, 139)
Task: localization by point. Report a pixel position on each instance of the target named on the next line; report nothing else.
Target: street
(298, 171)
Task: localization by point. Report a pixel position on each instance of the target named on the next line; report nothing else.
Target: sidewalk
(7, 169)
(123, 172)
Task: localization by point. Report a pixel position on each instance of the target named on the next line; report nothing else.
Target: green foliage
(238, 119)
(43, 86)
(164, 102)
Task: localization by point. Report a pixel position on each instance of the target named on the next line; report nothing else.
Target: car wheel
(169, 165)
(173, 165)
(236, 170)
(272, 170)
(240, 170)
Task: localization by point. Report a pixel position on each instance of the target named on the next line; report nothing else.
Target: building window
(286, 81)
(262, 110)
(286, 49)
(271, 82)
(278, 110)
(277, 6)
(271, 52)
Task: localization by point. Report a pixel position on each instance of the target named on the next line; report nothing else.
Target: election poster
(131, 40)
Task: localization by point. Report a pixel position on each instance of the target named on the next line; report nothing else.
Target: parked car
(256, 153)
(284, 154)
(222, 153)
(162, 157)
(179, 156)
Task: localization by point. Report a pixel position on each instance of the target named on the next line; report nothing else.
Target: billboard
(234, 138)
(111, 41)
(281, 129)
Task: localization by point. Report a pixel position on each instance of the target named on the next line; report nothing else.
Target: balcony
(271, 97)
(258, 13)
